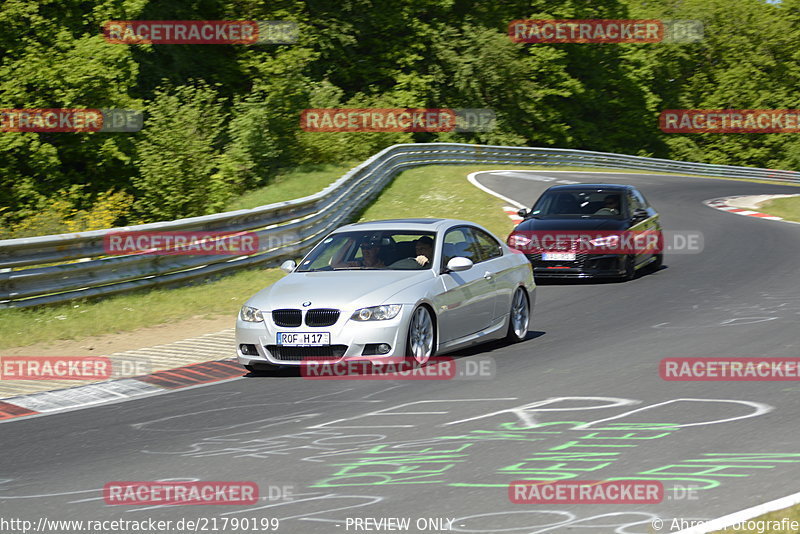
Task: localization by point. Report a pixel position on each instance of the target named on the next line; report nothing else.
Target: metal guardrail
(59, 268)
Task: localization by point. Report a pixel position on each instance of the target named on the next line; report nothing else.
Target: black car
(602, 229)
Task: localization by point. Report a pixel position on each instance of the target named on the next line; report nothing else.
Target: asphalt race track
(580, 399)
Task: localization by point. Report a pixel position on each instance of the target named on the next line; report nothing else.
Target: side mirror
(459, 263)
(523, 213)
(640, 213)
(288, 266)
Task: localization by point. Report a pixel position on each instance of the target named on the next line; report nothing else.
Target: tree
(178, 157)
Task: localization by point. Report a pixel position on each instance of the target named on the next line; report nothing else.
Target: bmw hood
(338, 289)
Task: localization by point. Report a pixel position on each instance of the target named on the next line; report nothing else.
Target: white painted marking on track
(526, 411)
(471, 179)
(722, 204)
(760, 409)
(125, 399)
(743, 515)
(526, 176)
(88, 395)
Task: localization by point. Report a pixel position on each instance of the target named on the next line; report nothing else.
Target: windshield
(580, 203)
(386, 250)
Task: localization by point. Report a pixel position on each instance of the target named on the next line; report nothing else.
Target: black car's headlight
(377, 313)
(251, 315)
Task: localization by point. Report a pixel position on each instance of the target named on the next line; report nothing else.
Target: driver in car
(424, 250)
(610, 206)
(370, 256)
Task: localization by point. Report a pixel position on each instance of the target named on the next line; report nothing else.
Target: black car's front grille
(286, 317)
(321, 317)
(296, 354)
(580, 261)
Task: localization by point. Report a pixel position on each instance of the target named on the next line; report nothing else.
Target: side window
(634, 202)
(458, 242)
(486, 245)
(643, 201)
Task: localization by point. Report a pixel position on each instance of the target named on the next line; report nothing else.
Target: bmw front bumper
(348, 340)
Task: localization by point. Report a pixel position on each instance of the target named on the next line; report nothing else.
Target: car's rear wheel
(421, 335)
(519, 317)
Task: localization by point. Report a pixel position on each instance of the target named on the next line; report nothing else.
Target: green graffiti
(393, 460)
(629, 435)
(521, 426)
(391, 449)
(345, 477)
(571, 444)
(690, 471)
(595, 449)
(772, 457)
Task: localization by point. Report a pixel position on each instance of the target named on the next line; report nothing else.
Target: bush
(179, 155)
(60, 215)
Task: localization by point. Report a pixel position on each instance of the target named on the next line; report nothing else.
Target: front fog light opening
(248, 350)
(376, 349)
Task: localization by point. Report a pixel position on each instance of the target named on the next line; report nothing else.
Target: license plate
(304, 339)
(558, 256)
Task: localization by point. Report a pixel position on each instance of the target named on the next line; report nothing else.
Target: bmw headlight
(251, 315)
(377, 313)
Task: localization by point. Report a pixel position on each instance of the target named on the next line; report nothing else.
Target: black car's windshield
(381, 250)
(588, 203)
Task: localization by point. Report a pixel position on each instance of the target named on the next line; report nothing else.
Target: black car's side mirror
(640, 213)
(523, 213)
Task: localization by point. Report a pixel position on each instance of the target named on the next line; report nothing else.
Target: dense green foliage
(223, 119)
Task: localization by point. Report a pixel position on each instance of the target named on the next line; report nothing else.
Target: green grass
(792, 514)
(297, 183)
(431, 191)
(77, 320)
(788, 208)
(440, 191)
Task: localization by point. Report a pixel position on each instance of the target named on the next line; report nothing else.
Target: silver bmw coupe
(389, 290)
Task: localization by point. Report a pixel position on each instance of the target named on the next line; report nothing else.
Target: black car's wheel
(519, 317)
(657, 262)
(630, 268)
(421, 335)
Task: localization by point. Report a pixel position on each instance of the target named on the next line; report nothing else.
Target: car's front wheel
(630, 268)
(657, 262)
(519, 317)
(421, 335)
